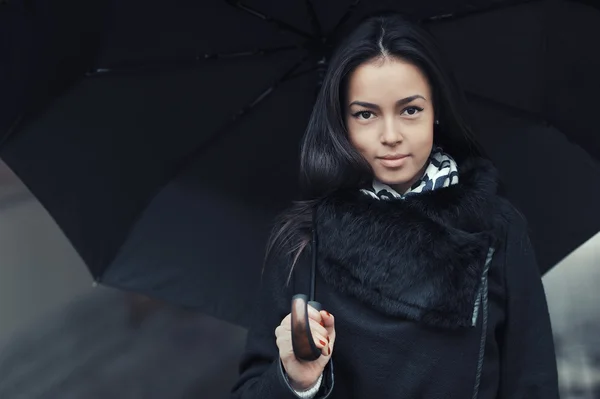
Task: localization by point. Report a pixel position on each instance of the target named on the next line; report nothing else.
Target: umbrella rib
(288, 75)
(301, 73)
(14, 126)
(532, 116)
(279, 23)
(314, 18)
(349, 10)
(251, 53)
(260, 98)
(191, 60)
(470, 11)
(590, 3)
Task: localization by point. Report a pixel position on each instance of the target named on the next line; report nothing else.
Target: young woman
(427, 275)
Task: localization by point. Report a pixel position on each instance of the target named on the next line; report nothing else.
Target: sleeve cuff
(309, 393)
(321, 390)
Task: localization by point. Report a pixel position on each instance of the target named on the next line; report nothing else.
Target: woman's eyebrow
(398, 103)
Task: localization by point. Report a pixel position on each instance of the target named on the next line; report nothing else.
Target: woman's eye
(412, 111)
(363, 115)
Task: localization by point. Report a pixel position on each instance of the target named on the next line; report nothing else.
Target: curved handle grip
(302, 339)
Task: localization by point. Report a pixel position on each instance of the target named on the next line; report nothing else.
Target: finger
(317, 328)
(287, 320)
(286, 350)
(328, 319)
(329, 323)
(315, 315)
(280, 331)
(325, 351)
(320, 341)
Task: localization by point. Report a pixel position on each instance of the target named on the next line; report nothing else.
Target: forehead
(387, 79)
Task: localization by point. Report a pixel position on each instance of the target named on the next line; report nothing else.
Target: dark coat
(418, 313)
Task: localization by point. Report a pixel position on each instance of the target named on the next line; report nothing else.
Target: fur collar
(420, 258)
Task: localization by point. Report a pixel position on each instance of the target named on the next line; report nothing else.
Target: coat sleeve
(261, 372)
(528, 360)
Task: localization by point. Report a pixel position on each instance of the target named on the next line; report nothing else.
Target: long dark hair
(328, 161)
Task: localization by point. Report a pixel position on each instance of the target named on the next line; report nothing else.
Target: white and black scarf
(442, 171)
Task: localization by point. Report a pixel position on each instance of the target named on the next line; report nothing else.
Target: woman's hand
(304, 374)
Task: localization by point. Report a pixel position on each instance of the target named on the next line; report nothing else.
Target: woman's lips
(393, 161)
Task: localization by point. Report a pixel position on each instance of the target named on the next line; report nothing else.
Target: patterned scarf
(441, 172)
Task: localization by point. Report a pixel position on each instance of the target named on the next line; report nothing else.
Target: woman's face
(390, 117)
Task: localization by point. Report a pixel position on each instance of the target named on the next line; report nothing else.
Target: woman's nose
(391, 134)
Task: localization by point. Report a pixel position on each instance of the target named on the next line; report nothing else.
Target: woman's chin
(395, 178)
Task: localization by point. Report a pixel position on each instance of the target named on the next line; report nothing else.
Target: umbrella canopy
(171, 138)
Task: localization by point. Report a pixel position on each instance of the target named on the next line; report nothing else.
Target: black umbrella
(172, 140)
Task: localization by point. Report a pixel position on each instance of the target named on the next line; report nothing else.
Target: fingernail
(322, 342)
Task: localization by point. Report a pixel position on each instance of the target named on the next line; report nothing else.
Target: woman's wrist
(297, 386)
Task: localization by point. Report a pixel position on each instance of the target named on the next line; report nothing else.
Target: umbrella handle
(302, 339)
